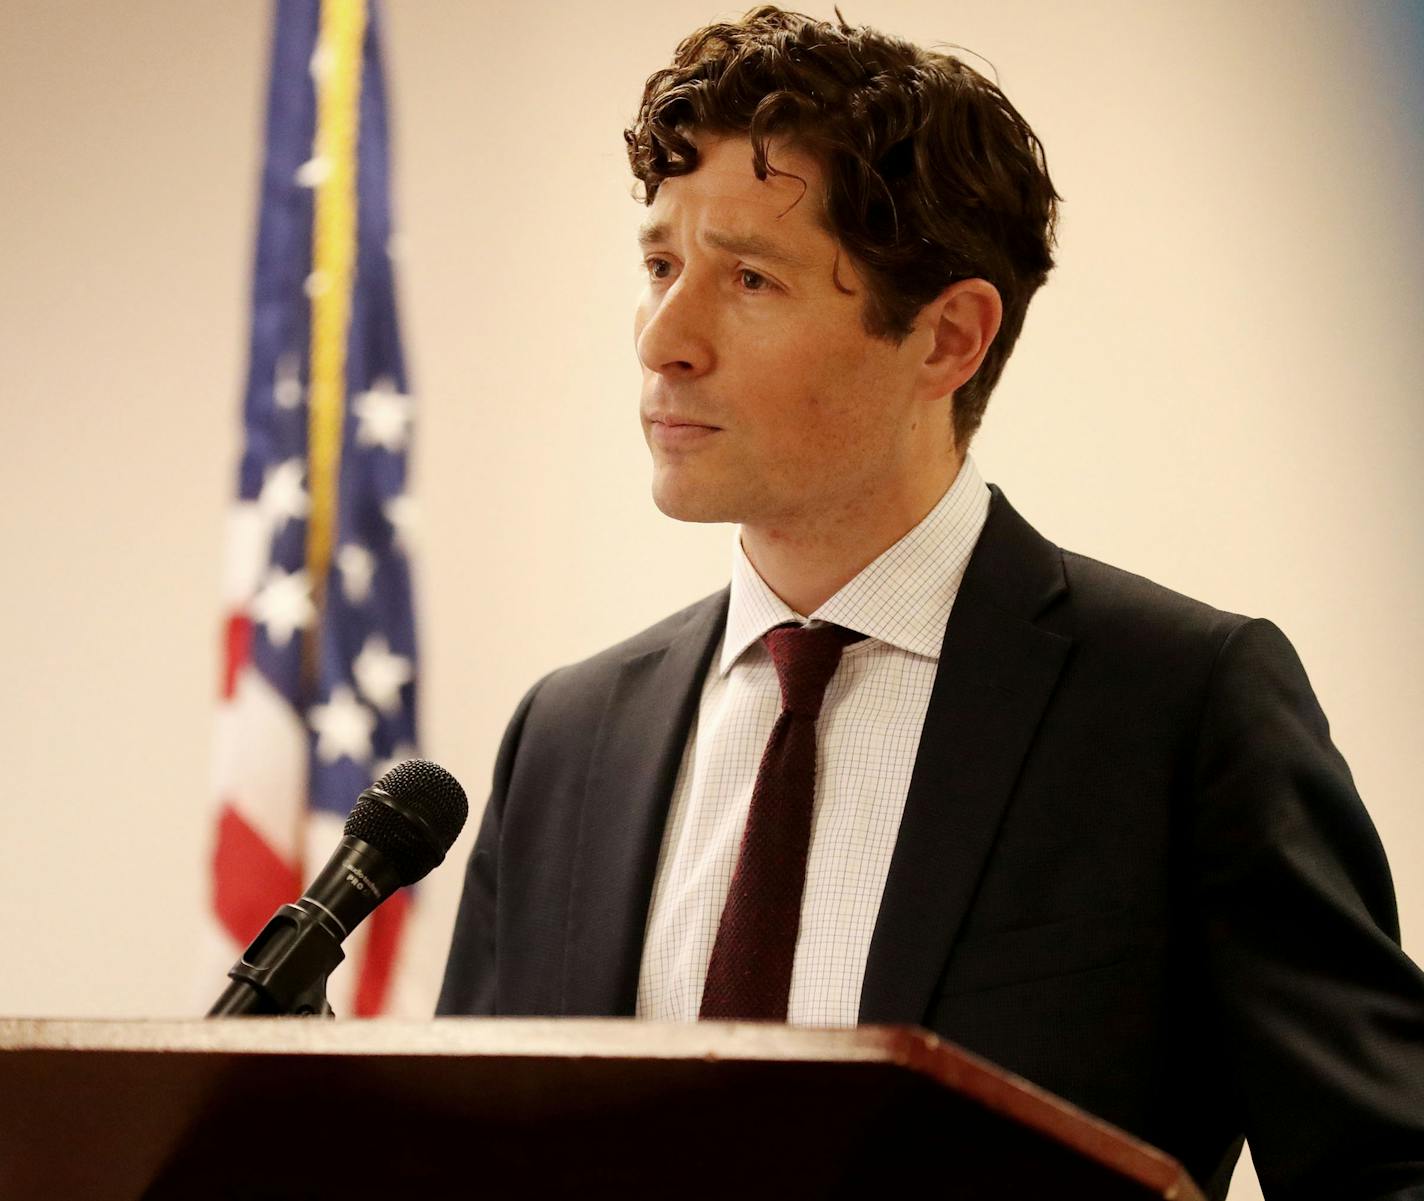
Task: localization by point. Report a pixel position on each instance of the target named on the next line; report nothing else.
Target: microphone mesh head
(433, 792)
(416, 831)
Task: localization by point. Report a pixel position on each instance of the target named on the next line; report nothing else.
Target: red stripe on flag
(250, 880)
(378, 963)
(238, 650)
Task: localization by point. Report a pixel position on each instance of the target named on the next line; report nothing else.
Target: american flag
(318, 691)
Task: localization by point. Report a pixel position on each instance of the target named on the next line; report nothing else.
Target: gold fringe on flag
(337, 70)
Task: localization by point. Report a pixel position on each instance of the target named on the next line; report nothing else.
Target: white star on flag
(343, 726)
(400, 512)
(357, 565)
(319, 65)
(384, 416)
(313, 172)
(381, 674)
(284, 605)
(282, 497)
(287, 382)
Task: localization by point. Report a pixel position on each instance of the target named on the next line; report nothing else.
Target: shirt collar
(902, 598)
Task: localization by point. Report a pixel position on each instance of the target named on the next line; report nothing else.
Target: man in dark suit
(1086, 827)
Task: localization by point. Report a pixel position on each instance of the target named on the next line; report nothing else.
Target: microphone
(400, 828)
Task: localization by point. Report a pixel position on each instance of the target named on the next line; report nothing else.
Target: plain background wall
(1218, 388)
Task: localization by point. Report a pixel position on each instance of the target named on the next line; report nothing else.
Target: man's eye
(654, 267)
(754, 281)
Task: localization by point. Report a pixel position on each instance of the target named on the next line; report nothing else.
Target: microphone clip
(285, 968)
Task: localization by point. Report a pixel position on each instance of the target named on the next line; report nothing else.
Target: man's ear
(963, 320)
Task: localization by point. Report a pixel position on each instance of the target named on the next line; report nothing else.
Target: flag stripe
(238, 649)
(252, 881)
(378, 960)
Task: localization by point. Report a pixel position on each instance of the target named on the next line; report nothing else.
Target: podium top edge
(609, 1038)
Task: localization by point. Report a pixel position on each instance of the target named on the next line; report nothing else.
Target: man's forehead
(728, 204)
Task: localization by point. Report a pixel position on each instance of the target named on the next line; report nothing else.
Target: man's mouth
(671, 432)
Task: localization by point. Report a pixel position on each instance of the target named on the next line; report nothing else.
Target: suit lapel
(636, 756)
(996, 672)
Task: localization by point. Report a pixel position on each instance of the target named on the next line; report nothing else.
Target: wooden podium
(305, 1110)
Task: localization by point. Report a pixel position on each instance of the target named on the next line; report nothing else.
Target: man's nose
(675, 338)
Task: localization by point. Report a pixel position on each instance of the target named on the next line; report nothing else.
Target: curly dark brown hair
(931, 174)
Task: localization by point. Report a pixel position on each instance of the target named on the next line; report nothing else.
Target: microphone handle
(284, 969)
(296, 949)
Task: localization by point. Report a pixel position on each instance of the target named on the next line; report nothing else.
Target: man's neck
(806, 563)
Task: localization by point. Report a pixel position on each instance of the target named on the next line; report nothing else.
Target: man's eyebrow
(755, 245)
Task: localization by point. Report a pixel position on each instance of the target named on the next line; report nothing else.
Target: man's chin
(689, 504)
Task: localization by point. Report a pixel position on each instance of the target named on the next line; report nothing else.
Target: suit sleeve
(1321, 1011)
(470, 977)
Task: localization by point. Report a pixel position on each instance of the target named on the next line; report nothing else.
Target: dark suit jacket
(1132, 868)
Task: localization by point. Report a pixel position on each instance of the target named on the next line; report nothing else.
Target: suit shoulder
(1110, 599)
(586, 676)
(657, 636)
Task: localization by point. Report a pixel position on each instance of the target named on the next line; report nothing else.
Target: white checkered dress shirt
(867, 737)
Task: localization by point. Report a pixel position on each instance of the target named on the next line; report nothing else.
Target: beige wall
(1217, 389)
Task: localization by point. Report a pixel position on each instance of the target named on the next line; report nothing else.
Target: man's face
(764, 401)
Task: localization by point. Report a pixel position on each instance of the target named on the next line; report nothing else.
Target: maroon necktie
(749, 976)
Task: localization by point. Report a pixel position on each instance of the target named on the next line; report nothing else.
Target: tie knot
(806, 659)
